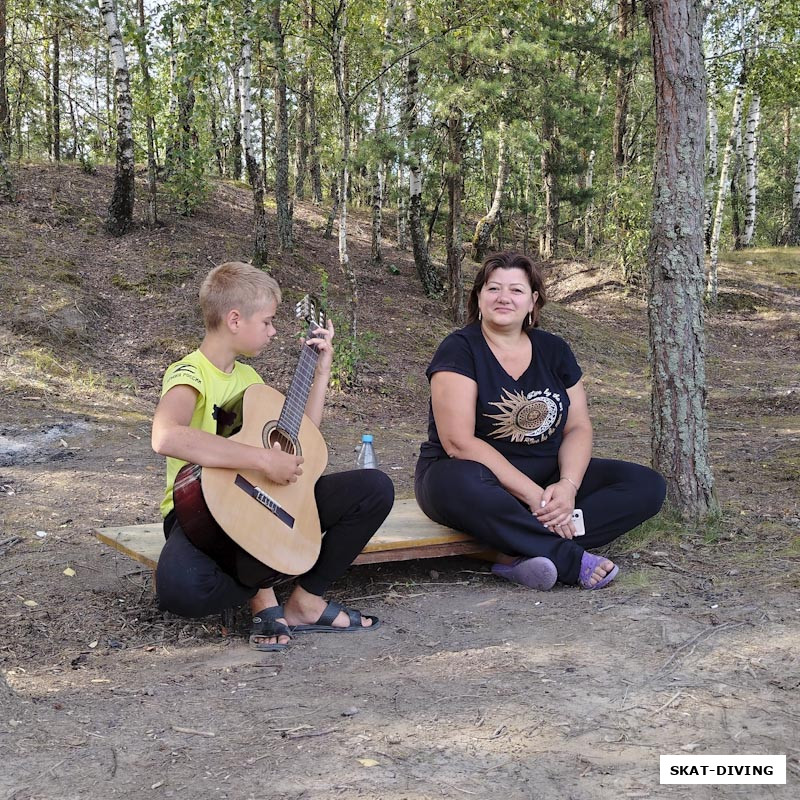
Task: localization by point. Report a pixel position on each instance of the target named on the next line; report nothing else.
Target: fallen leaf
(368, 762)
(31, 603)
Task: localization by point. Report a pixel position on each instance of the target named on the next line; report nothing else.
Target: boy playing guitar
(239, 303)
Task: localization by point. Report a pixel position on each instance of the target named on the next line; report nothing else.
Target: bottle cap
(367, 437)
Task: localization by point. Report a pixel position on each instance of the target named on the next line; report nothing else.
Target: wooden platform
(407, 533)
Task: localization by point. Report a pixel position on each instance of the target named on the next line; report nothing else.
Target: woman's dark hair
(508, 260)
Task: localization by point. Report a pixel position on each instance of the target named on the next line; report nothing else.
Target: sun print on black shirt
(531, 418)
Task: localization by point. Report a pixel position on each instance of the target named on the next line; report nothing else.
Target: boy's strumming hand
(281, 468)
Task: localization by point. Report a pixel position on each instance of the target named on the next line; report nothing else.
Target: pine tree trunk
(5, 113)
(736, 119)
(334, 212)
(625, 10)
(675, 256)
(751, 170)
(260, 243)
(588, 220)
(284, 210)
(791, 236)
(455, 191)
(301, 140)
(548, 246)
(120, 210)
(56, 85)
(426, 270)
(48, 97)
(486, 225)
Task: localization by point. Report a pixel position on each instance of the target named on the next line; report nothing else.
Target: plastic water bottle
(366, 458)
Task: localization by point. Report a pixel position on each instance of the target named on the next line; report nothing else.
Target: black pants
(615, 496)
(352, 505)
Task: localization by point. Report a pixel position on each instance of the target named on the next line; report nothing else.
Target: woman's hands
(555, 508)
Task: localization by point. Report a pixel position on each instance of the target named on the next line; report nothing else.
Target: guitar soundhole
(272, 435)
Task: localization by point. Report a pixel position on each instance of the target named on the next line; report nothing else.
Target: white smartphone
(577, 521)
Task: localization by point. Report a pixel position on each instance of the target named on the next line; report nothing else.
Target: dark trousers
(352, 505)
(615, 497)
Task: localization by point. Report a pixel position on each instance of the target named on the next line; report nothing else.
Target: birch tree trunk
(379, 165)
(236, 151)
(282, 202)
(486, 225)
(751, 169)
(716, 229)
(713, 157)
(141, 39)
(736, 192)
(675, 256)
(429, 277)
(120, 210)
(254, 174)
(340, 73)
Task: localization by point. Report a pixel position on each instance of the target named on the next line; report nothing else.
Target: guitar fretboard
(292, 411)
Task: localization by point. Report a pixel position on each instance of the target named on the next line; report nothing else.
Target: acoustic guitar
(278, 525)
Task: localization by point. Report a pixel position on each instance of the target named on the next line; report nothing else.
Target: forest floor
(472, 687)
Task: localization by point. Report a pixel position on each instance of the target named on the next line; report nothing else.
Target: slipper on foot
(325, 623)
(589, 563)
(266, 625)
(535, 573)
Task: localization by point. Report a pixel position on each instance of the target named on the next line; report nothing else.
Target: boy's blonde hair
(235, 285)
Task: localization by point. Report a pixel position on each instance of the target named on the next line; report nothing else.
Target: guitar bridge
(260, 496)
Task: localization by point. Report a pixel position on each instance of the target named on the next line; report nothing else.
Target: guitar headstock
(311, 311)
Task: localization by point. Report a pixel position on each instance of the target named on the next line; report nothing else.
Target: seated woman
(509, 451)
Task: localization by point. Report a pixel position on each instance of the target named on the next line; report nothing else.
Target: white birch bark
(120, 209)
(751, 169)
(379, 167)
(260, 246)
(713, 155)
(486, 225)
(722, 193)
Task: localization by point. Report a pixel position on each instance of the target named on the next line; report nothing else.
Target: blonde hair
(236, 285)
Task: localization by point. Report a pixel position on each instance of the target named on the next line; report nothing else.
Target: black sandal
(325, 623)
(265, 623)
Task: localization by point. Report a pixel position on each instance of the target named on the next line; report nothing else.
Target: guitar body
(278, 525)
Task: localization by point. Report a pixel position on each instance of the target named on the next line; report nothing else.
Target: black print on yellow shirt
(531, 418)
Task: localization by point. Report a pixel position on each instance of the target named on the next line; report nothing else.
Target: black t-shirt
(521, 418)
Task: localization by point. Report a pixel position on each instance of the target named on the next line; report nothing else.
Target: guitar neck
(297, 395)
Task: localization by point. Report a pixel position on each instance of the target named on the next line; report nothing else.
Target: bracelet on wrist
(569, 480)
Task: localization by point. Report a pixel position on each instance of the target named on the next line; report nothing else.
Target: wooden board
(406, 533)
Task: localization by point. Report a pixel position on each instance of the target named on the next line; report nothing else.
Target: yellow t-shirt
(217, 393)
